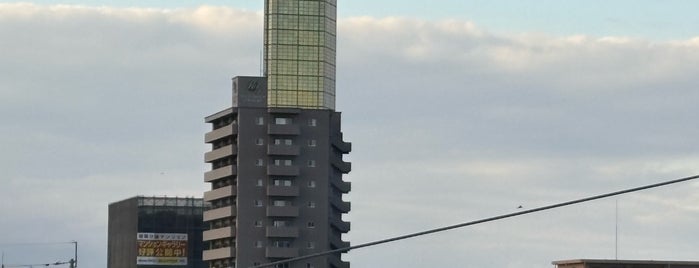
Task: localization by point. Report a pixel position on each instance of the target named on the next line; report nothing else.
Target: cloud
(449, 123)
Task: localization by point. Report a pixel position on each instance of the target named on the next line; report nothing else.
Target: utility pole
(74, 261)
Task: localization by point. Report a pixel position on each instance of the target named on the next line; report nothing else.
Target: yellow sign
(161, 249)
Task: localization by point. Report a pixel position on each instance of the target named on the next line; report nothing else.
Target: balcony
(282, 170)
(343, 186)
(342, 146)
(344, 167)
(287, 211)
(219, 233)
(219, 213)
(220, 173)
(273, 190)
(219, 193)
(337, 243)
(283, 149)
(292, 232)
(219, 253)
(220, 133)
(274, 252)
(342, 206)
(338, 263)
(220, 153)
(340, 225)
(292, 129)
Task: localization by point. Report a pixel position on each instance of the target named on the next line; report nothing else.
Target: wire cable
(461, 225)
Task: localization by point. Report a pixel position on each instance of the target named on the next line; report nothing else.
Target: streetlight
(74, 261)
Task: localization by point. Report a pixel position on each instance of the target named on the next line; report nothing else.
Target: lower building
(583, 263)
(163, 232)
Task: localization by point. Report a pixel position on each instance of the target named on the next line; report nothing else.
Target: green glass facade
(300, 53)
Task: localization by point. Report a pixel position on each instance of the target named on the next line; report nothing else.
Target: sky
(456, 112)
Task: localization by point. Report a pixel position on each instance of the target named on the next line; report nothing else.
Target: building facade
(163, 232)
(590, 263)
(276, 154)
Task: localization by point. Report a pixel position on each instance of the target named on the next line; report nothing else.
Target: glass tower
(300, 53)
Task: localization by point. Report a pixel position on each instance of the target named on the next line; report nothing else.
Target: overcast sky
(455, 113)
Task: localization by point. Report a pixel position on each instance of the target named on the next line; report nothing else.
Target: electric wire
(461, 225)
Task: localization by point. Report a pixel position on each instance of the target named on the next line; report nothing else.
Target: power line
(32, 244)
(460, 225)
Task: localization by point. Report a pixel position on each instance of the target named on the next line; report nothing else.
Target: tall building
(164, 232)
(276, 157)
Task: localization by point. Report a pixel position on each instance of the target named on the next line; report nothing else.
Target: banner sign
(161, 249)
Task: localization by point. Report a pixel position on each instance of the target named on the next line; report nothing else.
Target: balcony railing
(344, 167)
(220, 133)
(274, 190)
(342, 146)
(219, 233)
(282, 170)
(274, 149)
(343, 186)
(337, 243)
(287, 211)
(340, 225)
(219, 193)
(220, 173)
(220, 153)
(282, 231)
(274, 252)
(342, 206)
(219, 253)
(219, 213)
(290, 129)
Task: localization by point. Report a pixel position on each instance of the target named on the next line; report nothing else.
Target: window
(283, 141)
(311, 204)
(311, 224)
(282, 244)
(312, 122)
(285, 162)
(258, 244)
(260, 142)
(311, 184)
(258, 223)
(280, 223)
(259, 162)
(312, 143)
(282, 121)
(258, 203)
(286, 183)
(280, 203)
(310, 245)
(260, 121)
(311, 163)
(260, 183)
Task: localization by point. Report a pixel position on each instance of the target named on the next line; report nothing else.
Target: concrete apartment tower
(276, 158)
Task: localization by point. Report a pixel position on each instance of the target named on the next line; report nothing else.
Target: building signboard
(161, 249)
